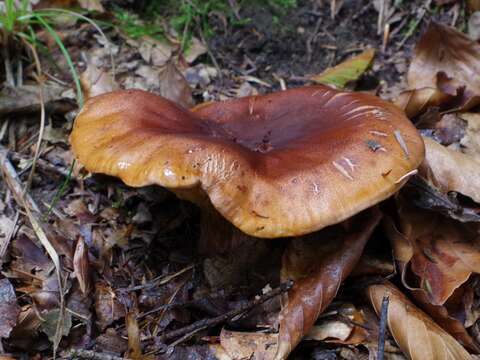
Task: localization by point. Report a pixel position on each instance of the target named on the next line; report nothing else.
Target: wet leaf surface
(318, 264)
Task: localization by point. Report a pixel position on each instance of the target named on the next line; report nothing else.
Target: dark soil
(306, 40)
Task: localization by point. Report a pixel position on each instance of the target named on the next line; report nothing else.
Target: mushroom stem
(217, 235)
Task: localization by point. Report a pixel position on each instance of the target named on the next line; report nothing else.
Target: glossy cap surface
(276, 165)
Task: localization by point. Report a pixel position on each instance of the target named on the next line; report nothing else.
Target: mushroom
(277, 165)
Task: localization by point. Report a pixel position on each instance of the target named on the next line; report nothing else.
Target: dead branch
(206, 323)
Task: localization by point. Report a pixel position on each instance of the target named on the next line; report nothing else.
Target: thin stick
(382, 330)
(13, 182)
(42, 116)
(206, 323)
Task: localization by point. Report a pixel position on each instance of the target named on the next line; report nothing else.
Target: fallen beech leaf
(81, 266)
(9, 309)
(440, 252)
(451, 170)
(447, 321)
(333, 329)
(347, 71)
(446, 62)
(416, 334)
(318, 264)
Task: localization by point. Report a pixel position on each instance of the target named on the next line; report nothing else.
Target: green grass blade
(60, 191)
(65, 53)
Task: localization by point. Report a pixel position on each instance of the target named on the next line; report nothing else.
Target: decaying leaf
(451, 170)
(443, 71)
(318, 264)
(95, 82)
(51, 321)
(9, 309)
(81, 266)
(235, 345)
(440, 252)
(416, 334)
(133, 331)
(347, 71)
(451, 321)
(470, 142)
(107, 306)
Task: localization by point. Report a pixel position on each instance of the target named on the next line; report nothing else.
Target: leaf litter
(113, 271)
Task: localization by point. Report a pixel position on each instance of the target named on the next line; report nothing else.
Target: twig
(206, 323)
(42, 116)
(43, 164)
(160, 280)
(91, 355)
(24, 200)
(209, 52)
(13, 182)
(420, 15)
(381, 17)
(382, 330)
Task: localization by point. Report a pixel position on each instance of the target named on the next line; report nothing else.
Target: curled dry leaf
(133, 332)
(81, 266)
(439, 252)
(443, 71)
(416, 334)
(451, 170)
(318, 264)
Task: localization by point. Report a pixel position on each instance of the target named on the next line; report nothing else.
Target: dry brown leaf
(417, 101)
(107, 307)
(173, 86)
(470, 143)
(441, 315)
(133, 332)
(445, 65)
(235, 345)
(451, 170)
(416, 334)
(96, 82)
(439, 252)
(318, 264)
(331, 329)
(81, 266)
(9, 309)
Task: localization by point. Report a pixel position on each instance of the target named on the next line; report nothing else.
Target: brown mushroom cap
(276, 165)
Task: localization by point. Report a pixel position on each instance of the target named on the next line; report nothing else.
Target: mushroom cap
(277, 165)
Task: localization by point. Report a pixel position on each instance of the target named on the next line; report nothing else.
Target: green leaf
(347, 71)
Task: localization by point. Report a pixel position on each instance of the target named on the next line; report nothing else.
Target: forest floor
(92, 268)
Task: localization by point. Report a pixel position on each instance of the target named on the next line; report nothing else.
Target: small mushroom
(277, 165)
